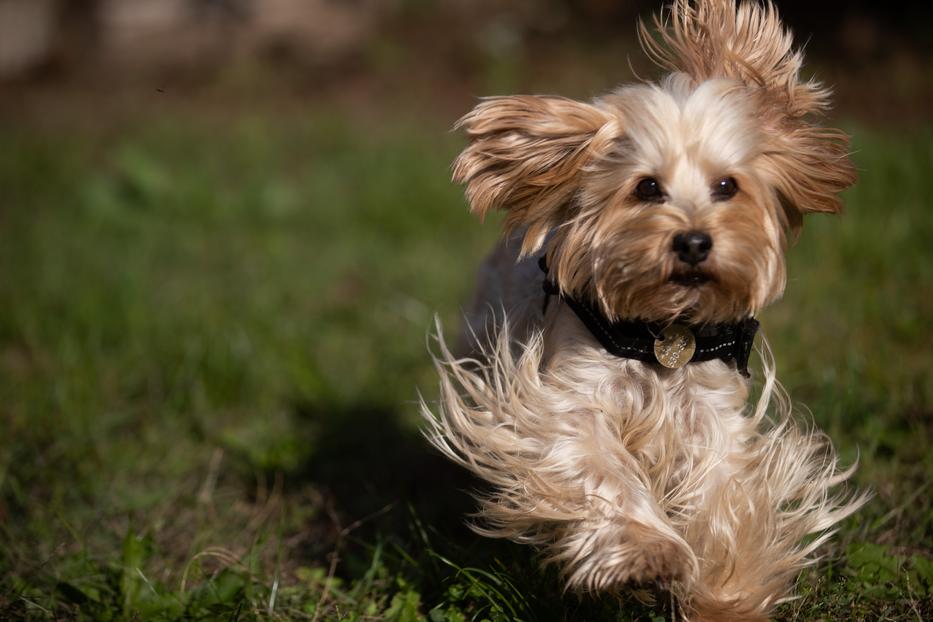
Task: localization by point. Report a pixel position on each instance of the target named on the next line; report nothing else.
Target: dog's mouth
(691, 278)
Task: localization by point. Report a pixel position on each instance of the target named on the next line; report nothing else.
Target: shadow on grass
(384, 479)
(365, 459)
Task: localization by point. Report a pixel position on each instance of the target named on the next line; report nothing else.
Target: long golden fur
(618, 470)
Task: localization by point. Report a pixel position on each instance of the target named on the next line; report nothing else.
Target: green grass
(211, 341)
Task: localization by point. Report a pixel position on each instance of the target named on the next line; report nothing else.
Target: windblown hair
(636, 475)
(748, 43)
(621, 471)
(527, 155)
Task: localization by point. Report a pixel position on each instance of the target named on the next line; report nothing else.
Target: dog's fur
(621, 471)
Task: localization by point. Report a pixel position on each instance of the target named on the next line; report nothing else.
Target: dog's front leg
(567, 456)
(623, 535)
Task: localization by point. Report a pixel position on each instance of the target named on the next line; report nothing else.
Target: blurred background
(433, 54)
(225, 229)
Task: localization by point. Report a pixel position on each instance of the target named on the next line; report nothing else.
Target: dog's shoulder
(508, 290)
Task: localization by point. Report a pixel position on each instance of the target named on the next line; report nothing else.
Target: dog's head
(669, 199)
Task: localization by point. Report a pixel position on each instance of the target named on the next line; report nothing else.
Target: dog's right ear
(525, 156)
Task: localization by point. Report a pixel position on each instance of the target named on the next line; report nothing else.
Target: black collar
(668, 344)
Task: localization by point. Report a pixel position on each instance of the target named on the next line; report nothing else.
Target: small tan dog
(605, 399)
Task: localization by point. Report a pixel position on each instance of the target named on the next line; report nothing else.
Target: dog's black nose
(692, 247)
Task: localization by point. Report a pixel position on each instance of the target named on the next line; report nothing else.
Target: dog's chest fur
(604, 411)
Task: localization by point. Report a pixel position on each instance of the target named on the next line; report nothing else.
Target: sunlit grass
(211, 341)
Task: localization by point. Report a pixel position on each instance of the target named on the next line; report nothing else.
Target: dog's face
(675, 217)
(660, 201)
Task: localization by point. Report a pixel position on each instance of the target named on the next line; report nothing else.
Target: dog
(604, 391)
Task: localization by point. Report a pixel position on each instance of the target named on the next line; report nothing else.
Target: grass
(211, 340)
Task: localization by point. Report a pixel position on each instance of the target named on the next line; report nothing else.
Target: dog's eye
(724, 189)
(648, 189)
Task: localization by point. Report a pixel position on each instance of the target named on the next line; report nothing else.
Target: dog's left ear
(809, 166)
(525, 156)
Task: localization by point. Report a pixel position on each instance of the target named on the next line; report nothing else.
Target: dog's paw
(663, 562)
(658, 557)
(620, 556)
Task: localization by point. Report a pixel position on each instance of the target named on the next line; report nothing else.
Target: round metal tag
(676, 346)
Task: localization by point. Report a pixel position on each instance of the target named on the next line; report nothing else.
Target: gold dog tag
(676, 346)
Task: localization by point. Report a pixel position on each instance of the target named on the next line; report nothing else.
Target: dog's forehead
(711, 126)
